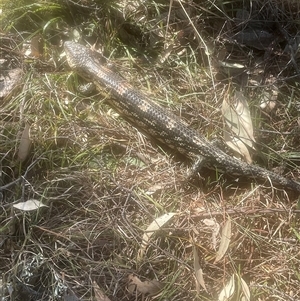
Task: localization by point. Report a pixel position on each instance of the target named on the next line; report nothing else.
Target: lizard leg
(201, 162)
(196, 168)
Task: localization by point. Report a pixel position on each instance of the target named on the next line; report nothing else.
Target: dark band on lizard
(162, 124)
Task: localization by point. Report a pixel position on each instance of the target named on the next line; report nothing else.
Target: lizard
(144, 113)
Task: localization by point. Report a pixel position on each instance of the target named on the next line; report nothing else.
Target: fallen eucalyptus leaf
(245, 288)
(25, 144)
(198, 271)
(152, 228)
(238, 130)
(228, 290)
(29, 205)
(225, 240)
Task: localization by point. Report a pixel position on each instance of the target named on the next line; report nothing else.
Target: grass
(104, 182)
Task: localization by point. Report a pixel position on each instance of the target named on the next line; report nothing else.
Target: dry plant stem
(243, 211)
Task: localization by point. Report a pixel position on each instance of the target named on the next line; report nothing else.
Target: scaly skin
(142, 112)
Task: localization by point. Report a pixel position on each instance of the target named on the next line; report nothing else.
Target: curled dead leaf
(148, 287)
(215, 227)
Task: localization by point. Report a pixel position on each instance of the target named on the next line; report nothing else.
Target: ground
(120, 221)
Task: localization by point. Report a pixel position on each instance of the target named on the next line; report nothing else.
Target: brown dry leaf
(225, 240)
(238, 131)
(36, 46)
(228, 290)
(152, 228)
(198, 271)
(99, 295)
(151, 287)
(25, 144)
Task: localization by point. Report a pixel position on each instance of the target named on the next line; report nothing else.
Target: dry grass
(104, 182)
